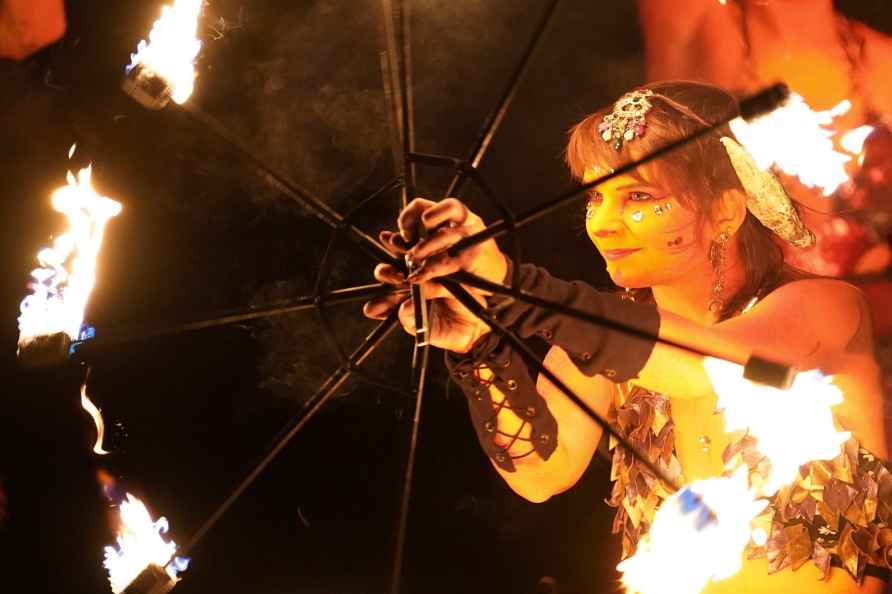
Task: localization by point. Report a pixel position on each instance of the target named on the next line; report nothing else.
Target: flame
(172, 47)
(67, 273)
(853, 140)
(697, 535)
(97, 420)
(799, 141)
(766, 412)
(700, 533)
(139, 545)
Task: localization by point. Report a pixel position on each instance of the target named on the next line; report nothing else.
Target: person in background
(29, 25)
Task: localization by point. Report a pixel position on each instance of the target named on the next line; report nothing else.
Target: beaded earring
(717, 255)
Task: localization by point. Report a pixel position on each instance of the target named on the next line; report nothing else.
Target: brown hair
(697, 174)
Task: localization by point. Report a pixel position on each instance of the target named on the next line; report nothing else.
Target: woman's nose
(606, 219)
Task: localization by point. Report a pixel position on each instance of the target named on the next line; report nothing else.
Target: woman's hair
(696, 174)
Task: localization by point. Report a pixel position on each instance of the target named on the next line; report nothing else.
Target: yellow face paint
(646, 236)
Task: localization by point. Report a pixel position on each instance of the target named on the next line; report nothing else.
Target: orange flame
(799, 141)
(173, 47)
(67, 273)
(698, 535)
(91, 408)
(140, 544)
(705, 542)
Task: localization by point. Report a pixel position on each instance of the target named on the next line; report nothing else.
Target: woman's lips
(618, 254)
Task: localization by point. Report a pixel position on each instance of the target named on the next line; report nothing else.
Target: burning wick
(143, 562)
(164, 68)
(799, 141)
(52, 315)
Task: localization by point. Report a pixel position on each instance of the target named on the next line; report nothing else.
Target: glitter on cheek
(637, 216)
(658, 210)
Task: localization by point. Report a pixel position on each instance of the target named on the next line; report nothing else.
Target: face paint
(645, 236)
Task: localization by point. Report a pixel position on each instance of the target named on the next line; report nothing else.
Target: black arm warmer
(593, 348)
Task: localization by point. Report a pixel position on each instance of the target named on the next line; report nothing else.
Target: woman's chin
(626, 280)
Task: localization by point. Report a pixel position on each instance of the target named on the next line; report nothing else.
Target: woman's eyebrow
(636, 185)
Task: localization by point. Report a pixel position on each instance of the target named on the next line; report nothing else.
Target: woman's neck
(689, 297)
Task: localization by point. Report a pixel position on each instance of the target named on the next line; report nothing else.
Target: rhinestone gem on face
(704, 442)
(637, 216)
(658, 210)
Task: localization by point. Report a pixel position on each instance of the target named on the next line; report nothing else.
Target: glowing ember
(765, 412)
(140, 544)
(67, 273)
(97, 420)
(697, 535)
(799, 141)
(172, 48)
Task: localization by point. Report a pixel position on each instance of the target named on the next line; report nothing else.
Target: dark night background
(200, 230)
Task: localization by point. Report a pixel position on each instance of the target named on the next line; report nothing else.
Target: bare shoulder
(834, 311)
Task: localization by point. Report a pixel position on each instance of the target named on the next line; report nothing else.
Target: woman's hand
(452, 326)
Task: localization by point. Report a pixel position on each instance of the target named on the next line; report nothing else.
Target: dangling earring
(717, 260)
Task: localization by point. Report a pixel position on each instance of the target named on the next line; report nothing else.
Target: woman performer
(682, 237)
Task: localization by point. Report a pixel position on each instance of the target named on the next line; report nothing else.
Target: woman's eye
(639, 196)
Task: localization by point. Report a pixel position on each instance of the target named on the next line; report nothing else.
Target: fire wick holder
(45, 350)
(146, 87)
(151, 580)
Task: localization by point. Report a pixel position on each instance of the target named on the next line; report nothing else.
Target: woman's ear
(729, 211)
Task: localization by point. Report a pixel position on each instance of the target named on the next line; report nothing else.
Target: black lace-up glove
(594, 349)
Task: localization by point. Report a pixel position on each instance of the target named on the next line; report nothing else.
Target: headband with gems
(767, 199)
(626, 122)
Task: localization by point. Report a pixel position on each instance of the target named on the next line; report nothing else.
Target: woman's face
(646, 236)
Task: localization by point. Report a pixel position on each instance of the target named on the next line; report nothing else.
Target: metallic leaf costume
(836, 513)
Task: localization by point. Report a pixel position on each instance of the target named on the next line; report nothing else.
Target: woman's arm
(536, 479)
(811, 324)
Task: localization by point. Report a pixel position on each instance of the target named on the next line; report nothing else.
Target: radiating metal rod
(328, 388)
(135, 334)
(495, 117)
(299, 194)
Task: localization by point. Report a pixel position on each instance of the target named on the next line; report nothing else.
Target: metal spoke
(291, 189)
(494, 119)
(538, 366)
(134, 334)
(328, 389)
(765, 100)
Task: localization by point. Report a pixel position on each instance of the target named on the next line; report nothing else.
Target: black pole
(119, 336)
(398, 40)
(328, 388)
(538, 366)
(494, 119)
(751, 107)
(481, 283)
(291, 189)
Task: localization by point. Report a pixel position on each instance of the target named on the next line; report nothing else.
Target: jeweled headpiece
(767, 199)
(626, 121)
